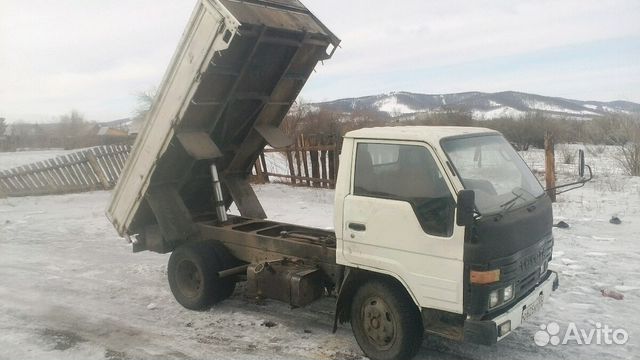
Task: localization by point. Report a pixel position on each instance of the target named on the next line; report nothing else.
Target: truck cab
(399, 204)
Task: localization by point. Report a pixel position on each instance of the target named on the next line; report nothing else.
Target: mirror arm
(574, 185)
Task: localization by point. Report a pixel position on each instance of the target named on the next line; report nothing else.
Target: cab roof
(430, 134)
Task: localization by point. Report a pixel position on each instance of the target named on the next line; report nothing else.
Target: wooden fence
(97, 168)
(307, 165)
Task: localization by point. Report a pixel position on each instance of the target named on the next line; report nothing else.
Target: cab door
(399, 219)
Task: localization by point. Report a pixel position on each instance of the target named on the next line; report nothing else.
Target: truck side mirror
(466, 208)
(581, 163)
(582, 166)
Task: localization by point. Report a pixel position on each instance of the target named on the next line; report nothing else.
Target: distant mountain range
(483, 106)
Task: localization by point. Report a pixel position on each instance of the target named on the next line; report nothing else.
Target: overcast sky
(94, 56)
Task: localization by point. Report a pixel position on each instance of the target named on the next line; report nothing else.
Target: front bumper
(487, 332)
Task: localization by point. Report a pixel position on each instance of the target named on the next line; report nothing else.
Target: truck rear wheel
(386, 322)
(193, 276)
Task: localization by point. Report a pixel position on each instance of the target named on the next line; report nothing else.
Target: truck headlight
(507, 293)
(500, 296)
(494, 299)
(544, 267)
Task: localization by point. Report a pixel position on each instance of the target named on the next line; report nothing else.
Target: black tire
(386, 323)
(227, 285)
(193, 276)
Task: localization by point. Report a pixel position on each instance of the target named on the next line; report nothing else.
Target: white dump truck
(438, 230)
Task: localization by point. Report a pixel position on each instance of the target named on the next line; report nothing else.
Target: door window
(406, 173)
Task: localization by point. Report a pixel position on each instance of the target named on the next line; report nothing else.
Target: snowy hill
(482, 105)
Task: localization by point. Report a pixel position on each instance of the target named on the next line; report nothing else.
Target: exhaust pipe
(221, 210)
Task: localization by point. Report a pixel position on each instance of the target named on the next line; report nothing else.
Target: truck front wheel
(193, 276)
(385, 321)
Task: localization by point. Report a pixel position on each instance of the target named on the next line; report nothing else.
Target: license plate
(532, 308)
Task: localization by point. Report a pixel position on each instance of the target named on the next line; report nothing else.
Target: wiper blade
(509, 204)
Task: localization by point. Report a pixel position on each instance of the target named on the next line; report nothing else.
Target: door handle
(357, 227)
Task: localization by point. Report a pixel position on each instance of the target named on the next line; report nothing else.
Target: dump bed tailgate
(238, 69)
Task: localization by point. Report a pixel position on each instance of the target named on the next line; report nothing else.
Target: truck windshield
(493, 169)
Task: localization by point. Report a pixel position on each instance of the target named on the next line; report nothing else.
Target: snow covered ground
(71, 289)
(9, 160)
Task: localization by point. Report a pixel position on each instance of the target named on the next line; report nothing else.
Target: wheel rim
(378, 322)
(189, 278)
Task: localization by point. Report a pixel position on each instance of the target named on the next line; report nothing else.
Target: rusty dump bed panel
(237, 70)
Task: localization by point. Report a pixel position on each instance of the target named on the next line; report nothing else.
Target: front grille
(532, 261)
(525, 284)
(521, 269)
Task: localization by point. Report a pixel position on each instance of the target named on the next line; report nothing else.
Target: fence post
(291, 168)
(550, 165)
(93, 162)
(259, 173)
(263, 161)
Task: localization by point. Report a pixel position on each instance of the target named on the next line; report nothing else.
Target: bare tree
(73, 130)
(144, 101)
(628, 142)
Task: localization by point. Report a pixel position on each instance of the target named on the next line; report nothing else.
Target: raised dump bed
(239, 67)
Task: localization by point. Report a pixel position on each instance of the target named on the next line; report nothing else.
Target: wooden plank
(291, 170)
(111, 154)
(63, 181)
(263, 160)
(19, 180)
(71, 175)
(73, 167)
(97, 170)
(55, 175)
(102, 165)
(51, 181)
(124, 155)
(82, 170)
(303, 147)
(298, 164)
(25, 175)
(14, 179)
(314, 180)
(305, 160)
(113, 165)
(35, 177)
(4, 186)
(87, 170)
(115, 159)
(104, 161)
(105, 170)
(17, 187)
(258, 168)
(8, 181)
(332, 166)
(315, 167)
(550, 165)
(323, 165)
(46, 186)
(117, 163)
(116, 155)
(63, 173)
